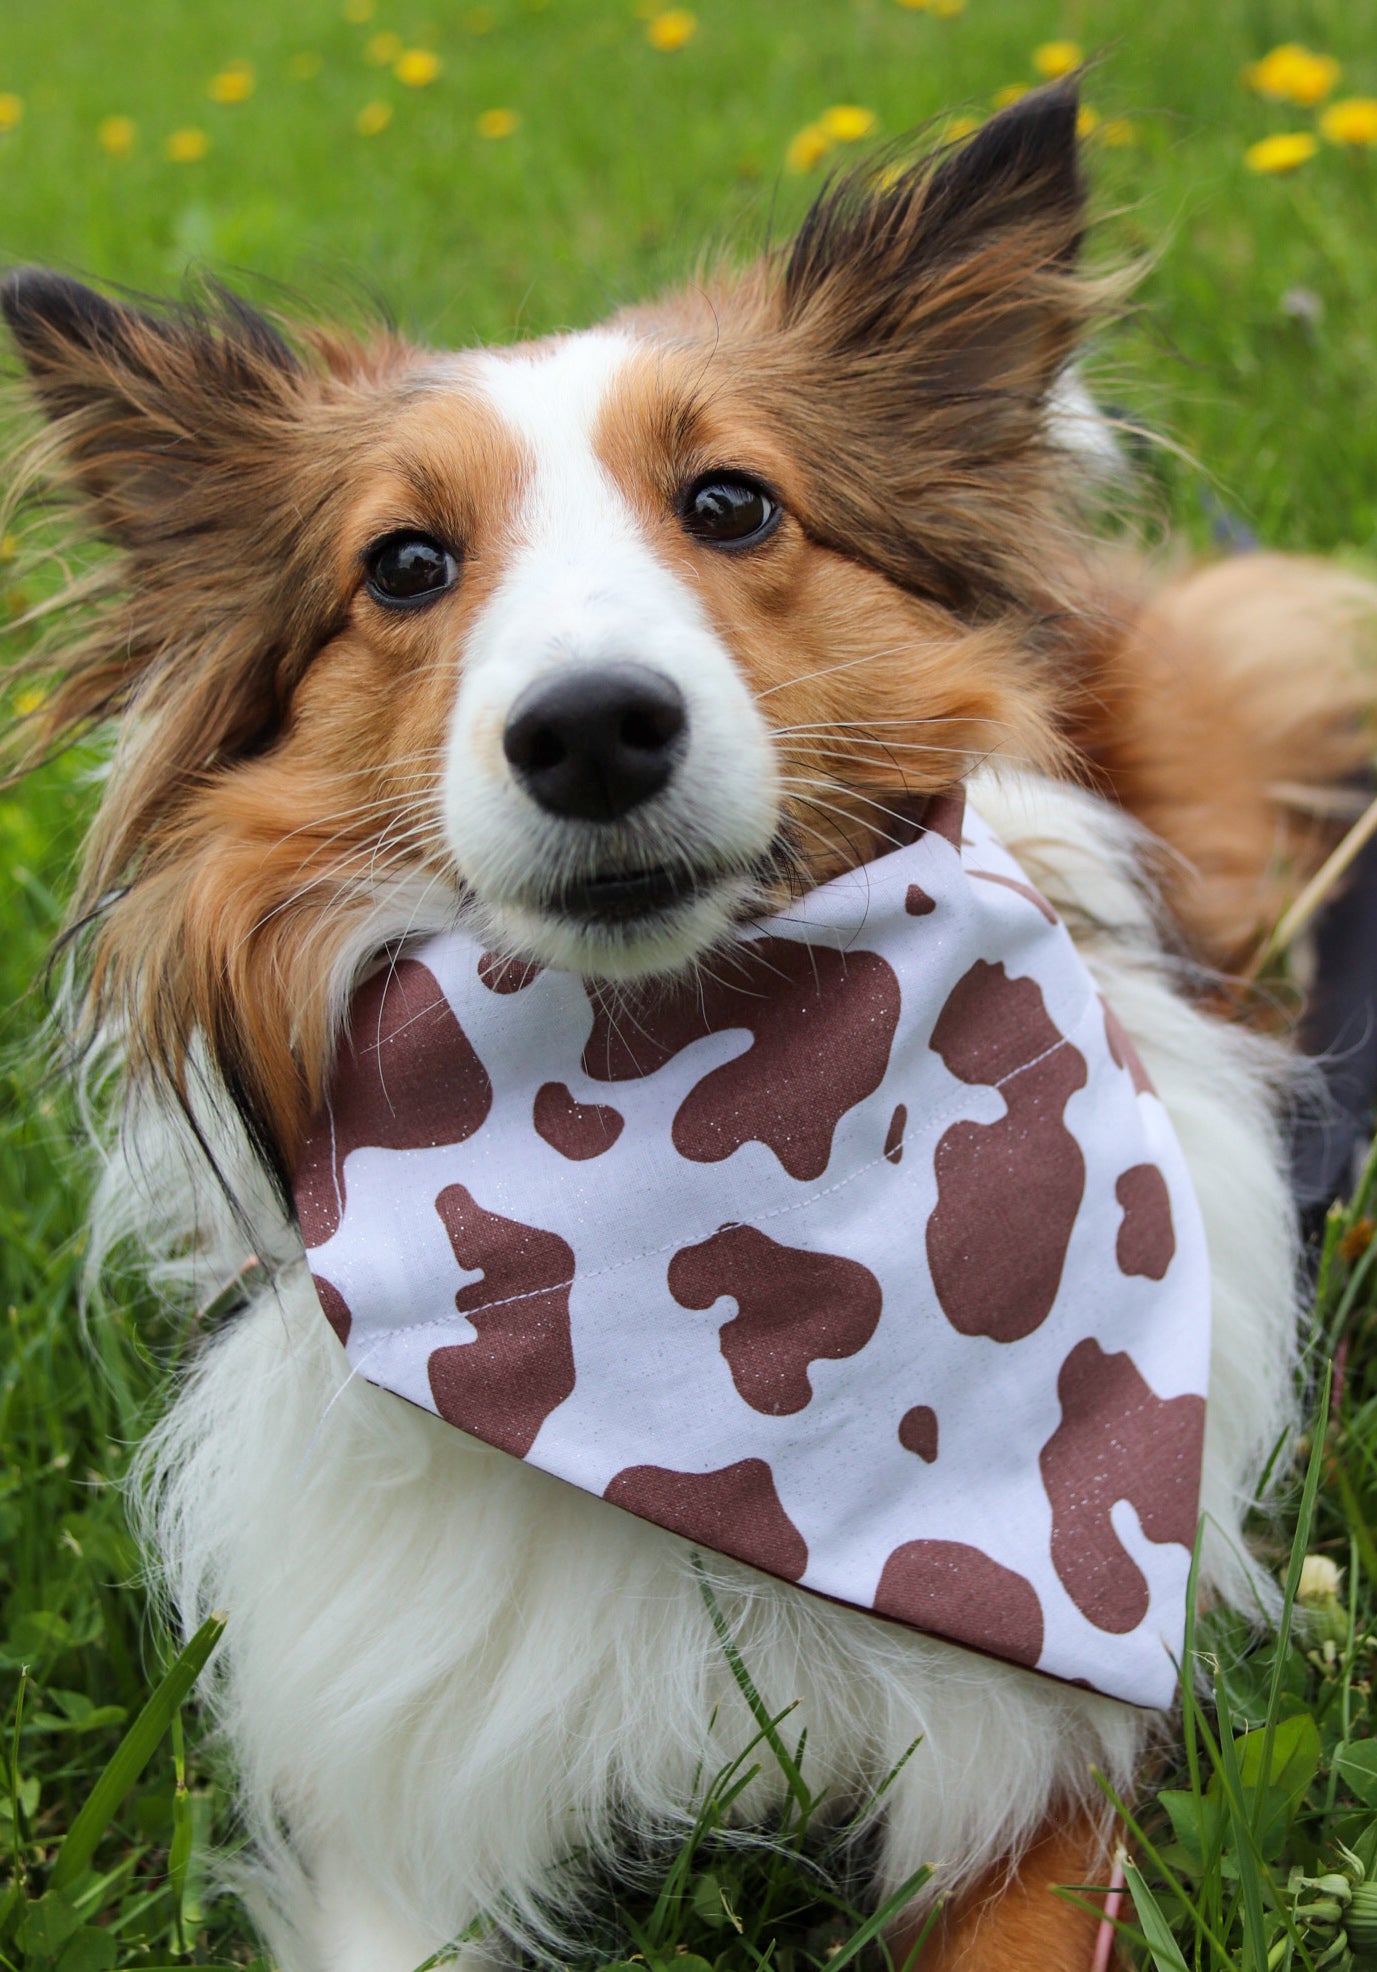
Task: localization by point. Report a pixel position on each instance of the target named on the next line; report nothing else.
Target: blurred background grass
(503, 169)
(626, 158)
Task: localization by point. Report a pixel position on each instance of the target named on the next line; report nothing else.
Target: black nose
(595, 742)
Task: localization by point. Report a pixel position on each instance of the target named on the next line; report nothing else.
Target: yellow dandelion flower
(187, 146)
(959, 128)
(234, 84)
(373, 119)
(358, 11)
(417, 68)
(1118, 132)
(26, 703)
(1087, 120)
(497, 123)
(1012, 92)
(11, 111)
(1291, 73)
(1313, 83)
(847, 123)
(808, 148)
(1283, 152)
(1054, 58)
(304, 67)
(946, 10)
(116, 135)
(384, 49)
(671, 30)
(1353, 121)
(480, 20)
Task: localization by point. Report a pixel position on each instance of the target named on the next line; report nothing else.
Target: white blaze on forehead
(550, 399)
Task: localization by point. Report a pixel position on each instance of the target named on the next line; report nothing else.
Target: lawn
(494, 170)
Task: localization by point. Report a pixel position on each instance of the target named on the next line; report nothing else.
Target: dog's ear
(956, 277)
(152, 410)
(209, 455)
(907, 342)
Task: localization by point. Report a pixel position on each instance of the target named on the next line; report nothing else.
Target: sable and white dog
(766, 558)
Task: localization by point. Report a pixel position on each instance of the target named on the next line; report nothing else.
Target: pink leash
(1104, 1937)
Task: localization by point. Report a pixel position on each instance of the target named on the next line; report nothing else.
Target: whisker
(828, 670)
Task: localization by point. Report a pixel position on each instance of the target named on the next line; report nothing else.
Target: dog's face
(599, 643)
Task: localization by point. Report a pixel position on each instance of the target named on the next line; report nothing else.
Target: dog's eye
(405, 569)
(729, 510)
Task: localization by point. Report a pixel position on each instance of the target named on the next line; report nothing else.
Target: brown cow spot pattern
(1007, 1192)
(503, 1385)
(1034, 897)
(1117, 1440)
(1124, 1053)
(1146, 1241)
(577, 1130)
(822, 1024)
(945, 815)
(794, 1307)
(333, 1306)
(918, 1432)
(960, 1592)
(501, 975)
(389, 1095)
(735, 1510)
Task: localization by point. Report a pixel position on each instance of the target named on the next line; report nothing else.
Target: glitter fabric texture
(869, 1258)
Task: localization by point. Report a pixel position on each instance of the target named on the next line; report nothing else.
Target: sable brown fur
(209, 456)
(1224, 706)
(1016, 1922)
(902, 348)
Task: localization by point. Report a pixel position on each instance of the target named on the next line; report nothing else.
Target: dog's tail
(1236, 718)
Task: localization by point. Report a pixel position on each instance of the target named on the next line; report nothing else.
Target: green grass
(626, 162)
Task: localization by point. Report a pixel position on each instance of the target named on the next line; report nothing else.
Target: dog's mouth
(632, 919)
(624, 896)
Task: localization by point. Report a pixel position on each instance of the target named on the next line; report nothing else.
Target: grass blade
(1166, 1953)
(798, 1790)
(891, 1908)
(132, 1755)
(16, 1808)
(1247, 1859)
(179, 1853)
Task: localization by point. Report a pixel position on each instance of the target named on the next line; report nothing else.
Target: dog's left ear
(959, 275)
(910, 338)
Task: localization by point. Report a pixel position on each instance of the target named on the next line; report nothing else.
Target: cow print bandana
(868, 1258)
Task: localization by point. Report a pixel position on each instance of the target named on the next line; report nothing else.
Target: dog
(816, 536)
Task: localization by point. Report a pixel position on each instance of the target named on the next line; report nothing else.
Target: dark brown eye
(729, 509)
(406, 569)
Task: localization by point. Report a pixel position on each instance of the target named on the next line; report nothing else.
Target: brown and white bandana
(869, 1257)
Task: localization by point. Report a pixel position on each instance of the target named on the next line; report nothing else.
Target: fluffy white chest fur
(445, 1670)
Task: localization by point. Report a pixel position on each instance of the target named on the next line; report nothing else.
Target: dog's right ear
(152, 410)
(196, 442)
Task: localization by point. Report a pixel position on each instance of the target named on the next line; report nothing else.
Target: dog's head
(598, 643)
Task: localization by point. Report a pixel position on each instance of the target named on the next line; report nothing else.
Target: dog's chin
(633, 925)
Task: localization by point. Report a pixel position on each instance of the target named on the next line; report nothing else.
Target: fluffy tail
(1234, 717)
